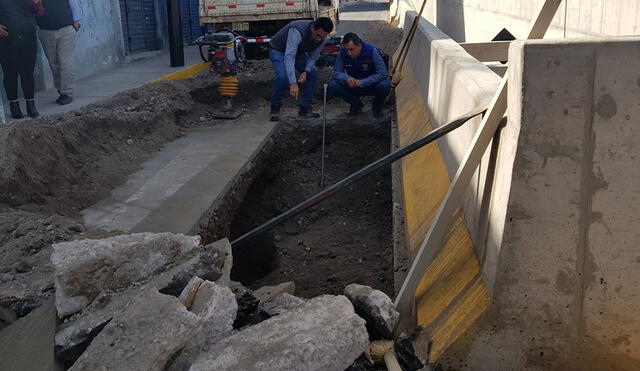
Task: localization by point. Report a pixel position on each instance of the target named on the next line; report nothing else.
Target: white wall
(481, 20)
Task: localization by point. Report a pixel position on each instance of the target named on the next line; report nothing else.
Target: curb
(184, 73)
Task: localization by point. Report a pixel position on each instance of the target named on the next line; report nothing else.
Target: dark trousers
(352, 96)
(18, 58)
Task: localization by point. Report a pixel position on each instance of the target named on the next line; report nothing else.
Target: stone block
(375, 307)
(323, 334)
(143, 337)
(84, 268)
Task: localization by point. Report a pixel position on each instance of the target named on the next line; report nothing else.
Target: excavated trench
(345, 239)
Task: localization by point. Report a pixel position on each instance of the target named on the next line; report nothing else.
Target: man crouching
(360, 71)
(296, 47)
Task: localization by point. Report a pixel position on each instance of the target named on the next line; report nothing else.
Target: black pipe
(393, 156)
(176, 46)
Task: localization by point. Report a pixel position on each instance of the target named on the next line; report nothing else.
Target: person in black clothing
(18, 49)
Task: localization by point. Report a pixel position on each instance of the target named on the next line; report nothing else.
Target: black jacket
(57, 14)
(18, 15)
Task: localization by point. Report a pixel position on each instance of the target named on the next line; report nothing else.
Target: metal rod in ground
(393, 156)
(324, 125)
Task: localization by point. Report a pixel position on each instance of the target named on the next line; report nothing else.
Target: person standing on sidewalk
(18, 50)
(58, 28)
(296, 47)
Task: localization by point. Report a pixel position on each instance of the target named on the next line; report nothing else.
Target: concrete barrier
(540, 268)
(566, 283)
(441, 81)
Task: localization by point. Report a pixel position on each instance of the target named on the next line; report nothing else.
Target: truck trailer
(258, 20)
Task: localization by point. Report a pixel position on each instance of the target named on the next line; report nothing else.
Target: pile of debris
(163, 301)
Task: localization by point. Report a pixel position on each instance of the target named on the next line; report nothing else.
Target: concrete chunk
(375, 307)
(143, 337)
(267, 293)
(217, 306)
(82, 327)
(223, 247)
(281, 303)
(85, 268)
(27, 343)
(323, 334)
(188, 294)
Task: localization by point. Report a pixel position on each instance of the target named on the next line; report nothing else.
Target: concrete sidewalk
(178, 185)
(109, 83)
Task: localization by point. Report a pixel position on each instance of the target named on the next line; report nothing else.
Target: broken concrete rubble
(281, 303)
(267, 293)
(217, 306)
(209, 266)
(190, 291)
(85, 268)
(143, 337)
(323, 334)
(375, 307)
(78, 330)
(223, 247)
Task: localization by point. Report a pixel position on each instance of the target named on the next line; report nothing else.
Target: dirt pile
(54, 167)
(71, 160)
(26, 272)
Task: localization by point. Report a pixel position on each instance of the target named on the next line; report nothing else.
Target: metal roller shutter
(139, 25)
(190, 19)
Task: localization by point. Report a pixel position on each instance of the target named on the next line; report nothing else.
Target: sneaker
(355, 109)
(16, 113)
(64, 99)
(377, 112)
(308, 113)
(275, 113)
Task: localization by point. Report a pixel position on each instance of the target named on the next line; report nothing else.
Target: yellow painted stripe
(185, 72)
(452, 293)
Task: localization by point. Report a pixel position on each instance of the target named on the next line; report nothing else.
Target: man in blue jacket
(360, 71)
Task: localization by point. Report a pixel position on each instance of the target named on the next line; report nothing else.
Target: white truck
(258, 20)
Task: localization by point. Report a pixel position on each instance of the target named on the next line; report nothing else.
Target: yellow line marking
(185, 72)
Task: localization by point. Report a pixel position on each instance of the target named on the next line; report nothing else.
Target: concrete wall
(481, 20)
(540, 269)
(566, 287)
(99, 42)
(440, 81)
